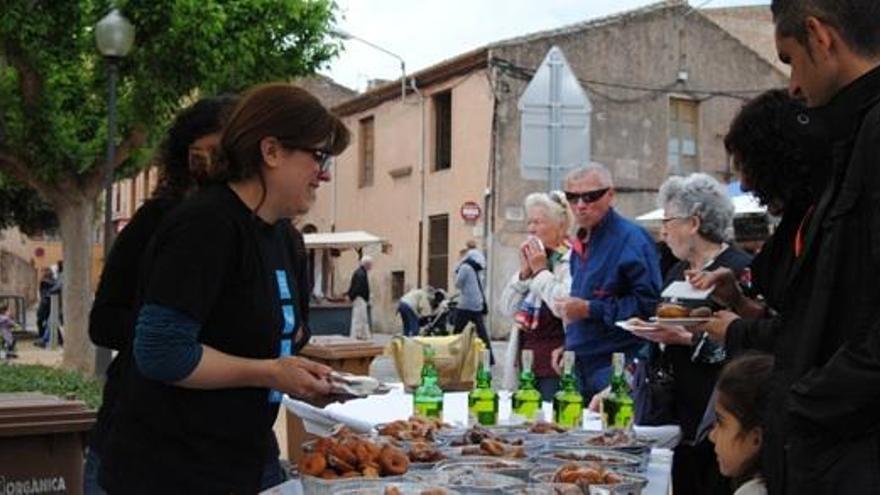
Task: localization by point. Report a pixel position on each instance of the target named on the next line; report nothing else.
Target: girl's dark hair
(281, 110)
(768, 149)
(744, 389)
(204, 117)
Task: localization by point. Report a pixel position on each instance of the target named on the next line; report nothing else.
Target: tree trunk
(76, 217)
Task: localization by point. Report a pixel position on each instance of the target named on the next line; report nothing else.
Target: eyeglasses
(666, 220)
(587, 197)
(322, 157)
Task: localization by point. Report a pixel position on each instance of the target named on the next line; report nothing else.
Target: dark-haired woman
(773, 152)
(776, 150)
(194, 132)
(215, 336)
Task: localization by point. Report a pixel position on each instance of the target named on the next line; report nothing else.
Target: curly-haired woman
(772, 150)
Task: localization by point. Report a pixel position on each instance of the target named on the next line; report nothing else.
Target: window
(683, 138)
(367, 137)
(443, 131)
(438, 251)
(398, 278)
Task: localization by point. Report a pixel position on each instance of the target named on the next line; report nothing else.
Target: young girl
(742, 393)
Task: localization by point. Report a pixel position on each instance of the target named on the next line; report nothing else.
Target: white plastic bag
(510, 380)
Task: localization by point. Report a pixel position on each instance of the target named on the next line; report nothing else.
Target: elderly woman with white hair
(697, 226)
(543, 276)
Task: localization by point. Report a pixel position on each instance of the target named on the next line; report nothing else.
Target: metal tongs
(356, 385)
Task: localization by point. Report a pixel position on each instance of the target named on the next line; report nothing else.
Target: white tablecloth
(397, 404)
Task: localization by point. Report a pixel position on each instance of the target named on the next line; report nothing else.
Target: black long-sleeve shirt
(111, 321)
(360, 285)
(115, 309)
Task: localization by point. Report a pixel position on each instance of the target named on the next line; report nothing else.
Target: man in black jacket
(359, 295)
(824, 429)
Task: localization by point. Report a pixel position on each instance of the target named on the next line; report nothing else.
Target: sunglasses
(587, 197)
(322, 157)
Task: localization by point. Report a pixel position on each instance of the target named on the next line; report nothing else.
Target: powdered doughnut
(345, 454)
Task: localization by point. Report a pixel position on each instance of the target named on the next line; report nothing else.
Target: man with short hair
(615, 276)
(823, 434)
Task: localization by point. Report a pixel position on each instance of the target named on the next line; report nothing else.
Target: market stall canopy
(744, 205)
(355, 239)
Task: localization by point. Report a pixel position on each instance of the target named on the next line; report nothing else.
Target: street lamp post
(114, 35)
(348, 36)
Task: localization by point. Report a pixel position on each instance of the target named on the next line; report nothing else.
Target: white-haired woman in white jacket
(530, 294)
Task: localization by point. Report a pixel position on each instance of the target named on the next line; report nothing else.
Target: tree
(53, 85)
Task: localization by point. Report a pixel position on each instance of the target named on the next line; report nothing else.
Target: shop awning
(744, 205)
(355, 239)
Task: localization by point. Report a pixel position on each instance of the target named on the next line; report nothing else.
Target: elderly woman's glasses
(666, 220)
(587, 197)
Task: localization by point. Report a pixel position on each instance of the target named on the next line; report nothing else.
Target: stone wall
(629, 128)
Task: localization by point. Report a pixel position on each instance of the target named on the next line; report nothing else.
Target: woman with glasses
(543, 277)
(220, 310)
(697, 226)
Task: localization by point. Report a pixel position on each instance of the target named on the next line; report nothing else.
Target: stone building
(664, 82)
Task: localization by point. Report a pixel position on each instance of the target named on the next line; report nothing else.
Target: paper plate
(685, 322)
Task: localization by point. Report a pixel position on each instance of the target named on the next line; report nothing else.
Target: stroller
(437, 324)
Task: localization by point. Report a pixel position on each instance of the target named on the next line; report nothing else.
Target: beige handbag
(456, 358)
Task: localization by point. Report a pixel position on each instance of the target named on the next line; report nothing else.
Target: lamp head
(114, 35)
(341, 34)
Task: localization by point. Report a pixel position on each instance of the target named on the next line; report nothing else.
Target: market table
(363, 414)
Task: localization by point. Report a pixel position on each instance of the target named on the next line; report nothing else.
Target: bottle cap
(568, 361)
(527, 359)
(617, 361)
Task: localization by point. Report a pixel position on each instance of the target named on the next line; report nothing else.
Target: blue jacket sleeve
(640, 282)
(166, 346)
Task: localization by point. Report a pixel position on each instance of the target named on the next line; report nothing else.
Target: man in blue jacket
(615, 276)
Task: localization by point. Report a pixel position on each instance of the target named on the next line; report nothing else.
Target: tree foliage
(19, 206)
(53, 101)
(53, 81)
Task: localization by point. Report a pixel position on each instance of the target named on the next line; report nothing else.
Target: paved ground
(28, 353)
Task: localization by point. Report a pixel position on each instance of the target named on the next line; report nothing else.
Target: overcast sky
(424, 32)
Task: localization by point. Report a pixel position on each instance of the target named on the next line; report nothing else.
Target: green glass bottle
(568, 405)
(618, 408)
(527, 399)
(428, 397)
(482, 400)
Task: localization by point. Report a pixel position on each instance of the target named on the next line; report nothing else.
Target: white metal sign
(555, 125)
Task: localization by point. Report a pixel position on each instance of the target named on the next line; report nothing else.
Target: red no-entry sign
(471, 211)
